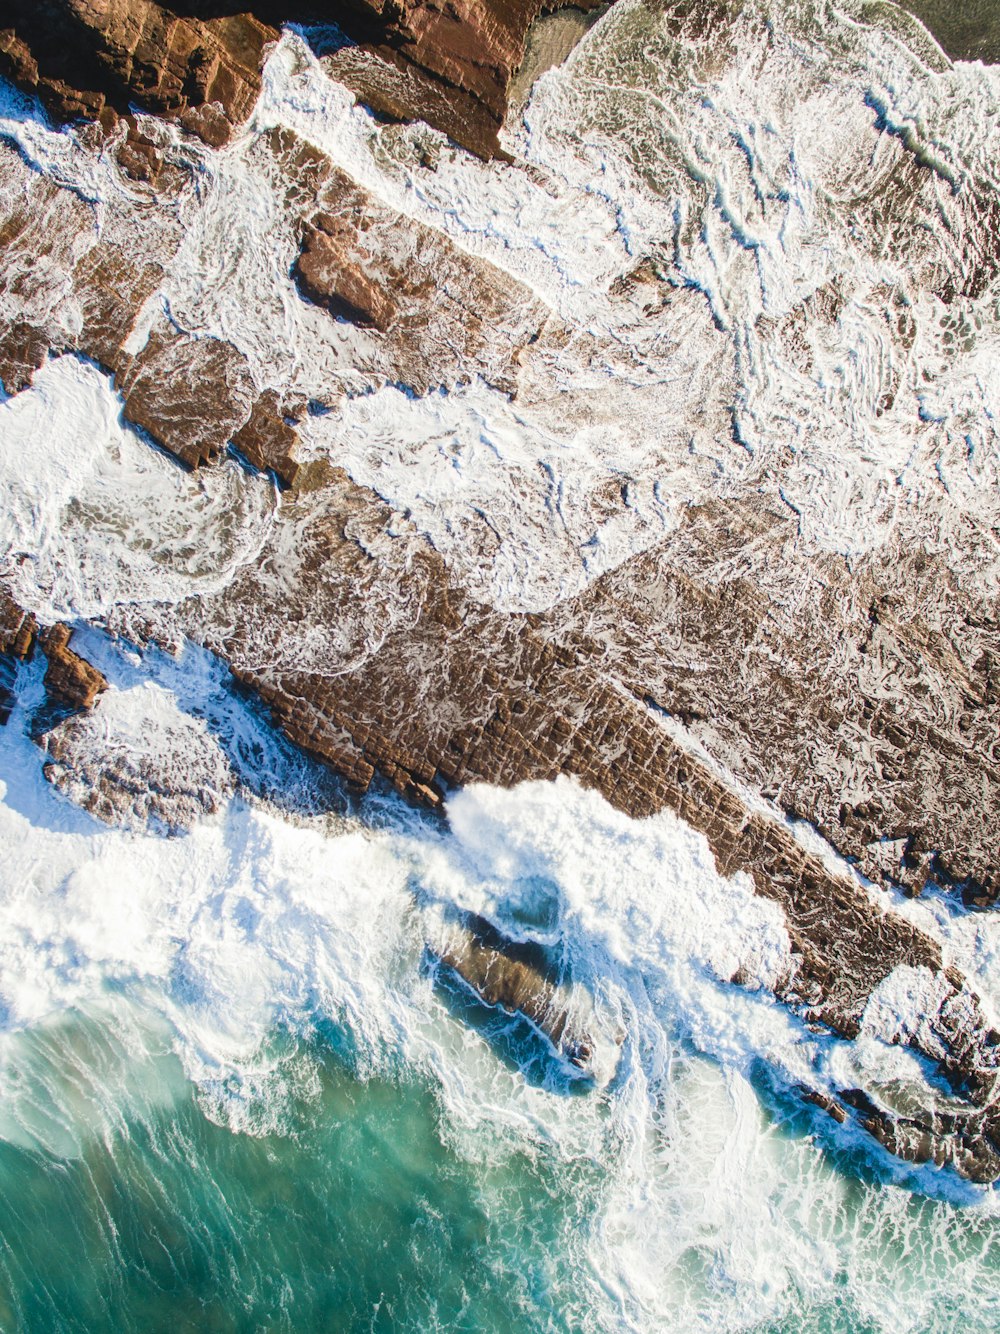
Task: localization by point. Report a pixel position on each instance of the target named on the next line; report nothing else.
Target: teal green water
(356, 1216)
(349, 1204)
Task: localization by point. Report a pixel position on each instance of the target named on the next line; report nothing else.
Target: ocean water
(235, 1094)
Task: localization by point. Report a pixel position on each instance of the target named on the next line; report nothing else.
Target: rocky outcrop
(436, 306)
(92, 59)
(199, 62)
(60, 292)
(727, 672)
(268, 440)
(328, 275)
(144, 768)
(191, 394)
(18, 633)
(517, 977)
(71, 681)
(447, 63)
(18, 630)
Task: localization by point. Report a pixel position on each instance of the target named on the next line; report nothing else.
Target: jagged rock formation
(728, 670)
(432, 302)
(71, 681)
(92, 59)
(18, 632)
(170, 383)
(72, 684)
(448, 64)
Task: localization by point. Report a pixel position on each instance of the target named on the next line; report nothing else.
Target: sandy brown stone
(327, 276)
(518, 978)
(455, 693)
(18, 633)
(267, 441)
(70, 680)
(449, 64)
(442, 313)
(82, 57)
(165, 777)
(18, 629)
(191, 394)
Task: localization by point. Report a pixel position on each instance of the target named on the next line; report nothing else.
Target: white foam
(735, 167)
(252, 925)
(92, 517)
(742, 176)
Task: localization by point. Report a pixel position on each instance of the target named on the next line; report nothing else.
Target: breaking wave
(275, 967)
(227, 1050)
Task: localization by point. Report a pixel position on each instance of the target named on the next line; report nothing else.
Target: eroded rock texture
(434, 303)
(141, 764)
(449, 64)
(92, 59)
(18, 632)
(720, 662)
(72, 682)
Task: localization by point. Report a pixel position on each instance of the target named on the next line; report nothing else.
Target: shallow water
(235, 1095)
(354, 1214)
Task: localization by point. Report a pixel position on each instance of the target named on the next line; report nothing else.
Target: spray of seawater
(235, 1095)
(227, 1059)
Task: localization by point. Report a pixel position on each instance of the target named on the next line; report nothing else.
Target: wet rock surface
(141, 765)
(71, 681)
(448, 64)
(726, 668)
(18, 633)
(91, 60)
(518, 978)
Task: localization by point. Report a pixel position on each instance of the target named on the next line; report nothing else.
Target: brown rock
(18, 629)
(327, 276)
(191, 394)
(71, 681)
(518, 978)
(267, 441)
(449, 64)
(18, 632)
(82, 56)
(23, 351)
(442, 313)
(165, 772)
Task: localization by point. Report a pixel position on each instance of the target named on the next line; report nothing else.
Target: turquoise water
(355, 1216)
(231, 1097)
(125, 1206)
(234, 1097)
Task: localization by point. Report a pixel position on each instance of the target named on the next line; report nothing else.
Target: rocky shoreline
(728, 672)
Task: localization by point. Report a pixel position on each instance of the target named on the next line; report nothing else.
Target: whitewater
(235, 1093)
(241, 981)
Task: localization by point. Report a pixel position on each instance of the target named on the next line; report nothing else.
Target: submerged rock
(139, 762)
(517, 976)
